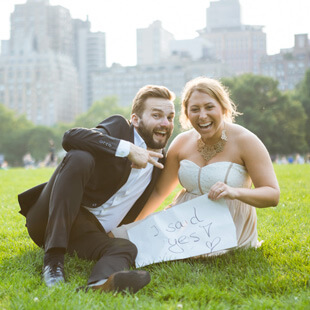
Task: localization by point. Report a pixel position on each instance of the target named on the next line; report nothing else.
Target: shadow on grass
(235, 265)
(235, 278)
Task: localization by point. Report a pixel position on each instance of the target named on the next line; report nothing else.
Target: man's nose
(164, 121)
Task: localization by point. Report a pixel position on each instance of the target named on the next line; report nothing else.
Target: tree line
(280, 119)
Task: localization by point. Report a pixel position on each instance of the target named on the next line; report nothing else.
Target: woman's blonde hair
(214, 89)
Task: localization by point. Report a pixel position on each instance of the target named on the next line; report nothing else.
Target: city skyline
(120, 19)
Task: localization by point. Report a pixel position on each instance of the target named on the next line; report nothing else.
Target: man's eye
(156, 115)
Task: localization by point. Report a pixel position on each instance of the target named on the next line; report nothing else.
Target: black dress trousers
(57, 220)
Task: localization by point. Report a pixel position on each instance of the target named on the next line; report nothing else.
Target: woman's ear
(135, 120)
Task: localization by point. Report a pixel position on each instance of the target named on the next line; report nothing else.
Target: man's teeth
(161, 132)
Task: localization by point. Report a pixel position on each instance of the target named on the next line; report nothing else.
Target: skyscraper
(223, 14)
(89, 56)
(239, 46)
(289, 66)
(46, 66)
(37, 26)
(38, 77)
(153, 44)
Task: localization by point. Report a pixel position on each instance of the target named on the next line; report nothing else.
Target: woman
(218, 158)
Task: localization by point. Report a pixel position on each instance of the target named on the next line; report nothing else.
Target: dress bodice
(198, 180)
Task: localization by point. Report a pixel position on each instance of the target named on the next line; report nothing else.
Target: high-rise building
(195, 49)
(288, 66)
(239, 46)
(89, 57)
(43, 86)
(223, 14)
(161, 61)
(49, 52)
(124, 82)
(153, 44)
(38, 26)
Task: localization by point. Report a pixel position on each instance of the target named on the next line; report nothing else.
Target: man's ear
(135, 120)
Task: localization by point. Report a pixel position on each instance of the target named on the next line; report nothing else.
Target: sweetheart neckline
(218, 162)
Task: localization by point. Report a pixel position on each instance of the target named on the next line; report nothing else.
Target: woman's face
(206, 116)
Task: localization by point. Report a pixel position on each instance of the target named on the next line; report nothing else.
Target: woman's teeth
(205, 125)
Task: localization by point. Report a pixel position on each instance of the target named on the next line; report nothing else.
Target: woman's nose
(203, 114)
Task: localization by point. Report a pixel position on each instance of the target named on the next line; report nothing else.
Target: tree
(9, 122)
(12, 128)
(272, 115)
(303, 95)
(177, 125)
(99, 111)
(38, 141)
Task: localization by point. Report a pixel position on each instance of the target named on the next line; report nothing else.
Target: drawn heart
(213, 244)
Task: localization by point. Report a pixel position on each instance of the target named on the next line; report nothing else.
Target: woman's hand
(221, 190)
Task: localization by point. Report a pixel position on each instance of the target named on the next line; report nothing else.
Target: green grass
(275, 276)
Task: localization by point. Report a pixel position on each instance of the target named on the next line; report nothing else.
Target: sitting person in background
(217, 158)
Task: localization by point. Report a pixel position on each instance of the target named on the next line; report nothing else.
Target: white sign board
(195, 227)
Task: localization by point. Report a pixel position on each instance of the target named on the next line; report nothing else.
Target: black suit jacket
(110, 172)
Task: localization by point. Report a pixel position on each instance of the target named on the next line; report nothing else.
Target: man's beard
(147, 135)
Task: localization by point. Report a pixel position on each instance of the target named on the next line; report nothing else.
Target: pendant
(209, 151)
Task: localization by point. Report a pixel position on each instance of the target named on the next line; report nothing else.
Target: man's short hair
(149, 91)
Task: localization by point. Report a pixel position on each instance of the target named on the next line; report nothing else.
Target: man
(104, 180)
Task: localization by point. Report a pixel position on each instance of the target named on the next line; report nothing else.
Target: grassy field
(275, 276)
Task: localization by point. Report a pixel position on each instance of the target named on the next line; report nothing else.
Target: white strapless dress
(197, 181)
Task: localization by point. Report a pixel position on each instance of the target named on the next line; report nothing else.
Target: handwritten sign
(196, 227)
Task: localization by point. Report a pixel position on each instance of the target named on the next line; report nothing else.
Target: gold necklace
(209, 151)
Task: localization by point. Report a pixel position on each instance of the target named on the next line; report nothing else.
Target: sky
(119, 19)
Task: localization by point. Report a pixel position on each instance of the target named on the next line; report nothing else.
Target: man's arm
(103, 139)
(98, 142)
(95, 141)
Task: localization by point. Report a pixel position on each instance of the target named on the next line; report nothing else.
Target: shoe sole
(132, 281)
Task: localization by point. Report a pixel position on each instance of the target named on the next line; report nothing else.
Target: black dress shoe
(53, 274)
(130, 280)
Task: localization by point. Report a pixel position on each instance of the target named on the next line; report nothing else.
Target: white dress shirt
(112, 212)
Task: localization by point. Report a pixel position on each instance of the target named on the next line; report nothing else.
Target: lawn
(275, 276)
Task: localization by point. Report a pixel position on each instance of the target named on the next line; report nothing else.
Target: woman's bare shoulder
(249, 146)
(182, 141)
(240, 133)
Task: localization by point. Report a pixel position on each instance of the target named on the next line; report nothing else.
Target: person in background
(51, 161)
(28, 161)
